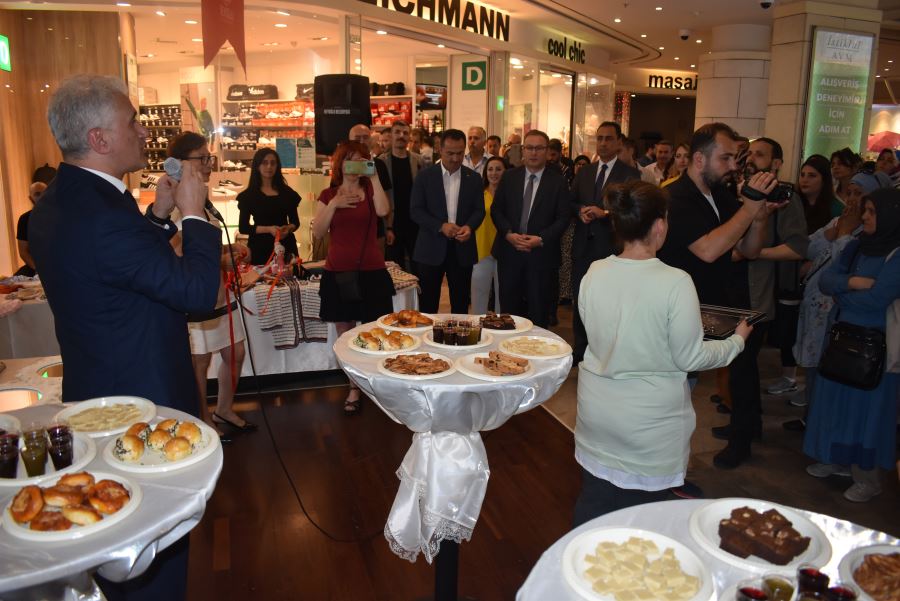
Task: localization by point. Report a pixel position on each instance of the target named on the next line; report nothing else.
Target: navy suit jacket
(118, 291)
(594, 240)
(428, 208)
(549, 216)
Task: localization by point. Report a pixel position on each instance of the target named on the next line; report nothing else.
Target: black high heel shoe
(247, 427)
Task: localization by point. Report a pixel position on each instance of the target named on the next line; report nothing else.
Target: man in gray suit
(402, 167)
(593, 235)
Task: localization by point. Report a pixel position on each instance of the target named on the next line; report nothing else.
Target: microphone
(173, 169)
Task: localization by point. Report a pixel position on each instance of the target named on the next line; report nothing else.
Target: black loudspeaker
(341, 102)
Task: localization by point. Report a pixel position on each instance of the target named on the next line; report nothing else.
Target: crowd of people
(637, 244)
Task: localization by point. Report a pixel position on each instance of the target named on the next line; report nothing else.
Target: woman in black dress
(273, 206)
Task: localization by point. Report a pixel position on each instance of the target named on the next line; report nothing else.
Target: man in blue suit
(448, 205)
(118, 291)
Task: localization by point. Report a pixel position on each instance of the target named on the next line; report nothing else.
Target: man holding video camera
(706, 223)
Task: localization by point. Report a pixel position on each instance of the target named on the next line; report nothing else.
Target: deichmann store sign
(838, 90)
(461, 14)
(5, 58)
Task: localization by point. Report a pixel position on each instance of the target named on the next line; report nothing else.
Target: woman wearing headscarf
(849, 426)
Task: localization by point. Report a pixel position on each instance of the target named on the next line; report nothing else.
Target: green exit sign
(5, 60)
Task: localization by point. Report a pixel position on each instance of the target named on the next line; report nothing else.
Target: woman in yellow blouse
(485, 271)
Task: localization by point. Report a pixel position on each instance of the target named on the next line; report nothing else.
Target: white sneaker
(782, 385)
(861, 492)
(823, 470)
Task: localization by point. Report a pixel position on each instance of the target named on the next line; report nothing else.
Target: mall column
(792, 45)
(734, 78)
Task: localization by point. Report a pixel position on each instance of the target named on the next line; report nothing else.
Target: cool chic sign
(573, 51)
(838, 91)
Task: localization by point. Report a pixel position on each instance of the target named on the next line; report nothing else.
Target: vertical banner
(838, 91)
(223, 21)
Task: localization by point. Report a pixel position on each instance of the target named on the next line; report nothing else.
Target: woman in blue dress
(847, 425)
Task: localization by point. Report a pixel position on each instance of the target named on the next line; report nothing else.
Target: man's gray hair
(82, 103)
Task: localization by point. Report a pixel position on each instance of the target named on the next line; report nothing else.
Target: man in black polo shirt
(705, 223)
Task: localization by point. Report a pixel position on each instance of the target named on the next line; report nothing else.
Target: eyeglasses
(206, 159)
(534, 148)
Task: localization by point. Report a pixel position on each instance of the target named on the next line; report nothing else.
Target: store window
(555, 114)
(593, 106)
(522, 104)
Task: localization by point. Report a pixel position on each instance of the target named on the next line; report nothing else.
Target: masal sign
(672, 83)
(461, 14)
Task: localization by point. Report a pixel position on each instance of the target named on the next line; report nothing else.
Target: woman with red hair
(356, 286)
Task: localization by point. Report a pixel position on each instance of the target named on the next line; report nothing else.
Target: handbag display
(238, 92)
(854, 356)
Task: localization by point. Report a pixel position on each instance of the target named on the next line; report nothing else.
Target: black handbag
(238, 92)
(854, 356)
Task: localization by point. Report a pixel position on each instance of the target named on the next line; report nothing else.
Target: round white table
(671, 518)
(173, 503)
(444, 475)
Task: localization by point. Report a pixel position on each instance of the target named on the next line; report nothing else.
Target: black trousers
(459, 280)
(525, 289)
(599, 497)
(401, 251)
(746, 420)
(166, 578)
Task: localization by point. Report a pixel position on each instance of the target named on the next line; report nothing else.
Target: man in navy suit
(118, 291)
(593, 238)
(531, 210)
(448, 205)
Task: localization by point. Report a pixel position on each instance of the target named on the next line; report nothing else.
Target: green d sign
(474, 76)
(5, 60)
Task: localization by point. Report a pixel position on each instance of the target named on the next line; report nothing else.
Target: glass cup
(810, 579)
(59, 430)
(35, 458)
(475, 334)
(750, 590)
(842, 591)
(61, 451)
(779, 587)
(34, 434)
(9, 460)
(437, 332)
(462, 335)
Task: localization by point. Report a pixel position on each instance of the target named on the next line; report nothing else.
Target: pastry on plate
(177, 448)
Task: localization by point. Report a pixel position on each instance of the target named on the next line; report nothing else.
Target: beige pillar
(792, 37)
(734, 78)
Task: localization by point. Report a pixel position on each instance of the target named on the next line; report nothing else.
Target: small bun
(129, 448)
(158, 439)
(141, 430)
(169, 425)
(190, 431)
(177, 448)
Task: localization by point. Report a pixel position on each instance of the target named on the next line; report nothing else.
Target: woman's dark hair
(634, 207)
(820, 212)
(847, 157)
(885, 151)
(500, 160)
(255, 182)
(184, 144)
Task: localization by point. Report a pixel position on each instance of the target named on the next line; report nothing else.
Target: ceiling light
(122, 4)
(151, 55)
(518, 67)
(593, 81)
(160, 13)
(676, 58)
(557, 75)
(678, 98)
(191, 22)
(568, 82)
(699, 41)
(280, 25)
(46, 85)
(659, 8)
(662, 47)
(634, 95)
(890, 61)
(886, 69)
(515, 61)
(617, 20)
(693, 66)
(358, 61)
(441, 46)
(878, 76)
(196, 39)
(643, 35)
(283, 12)
(381, 32)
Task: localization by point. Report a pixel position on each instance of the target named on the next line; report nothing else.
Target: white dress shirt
(609, 167)
(451, 191)
(652, 174)
(479, 167)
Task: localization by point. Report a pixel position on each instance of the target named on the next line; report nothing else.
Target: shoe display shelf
(163, 122)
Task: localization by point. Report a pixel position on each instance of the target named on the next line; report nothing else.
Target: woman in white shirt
(642, 317)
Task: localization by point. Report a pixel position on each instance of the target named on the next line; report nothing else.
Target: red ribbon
(223, 21)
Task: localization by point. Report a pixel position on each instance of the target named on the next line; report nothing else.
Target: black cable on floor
(287, 473)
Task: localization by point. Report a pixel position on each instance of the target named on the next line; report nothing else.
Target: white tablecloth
(29, 332)
(173, 503)
(670, 518)
(307, 356)
(444, 475)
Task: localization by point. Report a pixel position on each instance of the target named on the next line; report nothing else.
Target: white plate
(523, 324)
(155, 462)
(77, 532)
(564, 349)
(83, 452)
(854, 559)
(418, 329)
(147, 408)
(467, 365)
(10, 422)
(387, 372)
(574, 565)
(486, 340)
(704, 528)
(417, 342)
